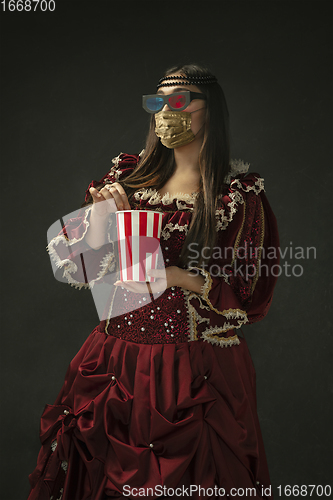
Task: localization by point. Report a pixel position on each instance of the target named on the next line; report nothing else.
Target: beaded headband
(186, 80)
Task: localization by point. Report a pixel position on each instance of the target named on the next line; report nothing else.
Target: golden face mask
(174, 128)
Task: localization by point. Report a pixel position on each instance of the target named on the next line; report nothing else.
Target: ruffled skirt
(145, 419)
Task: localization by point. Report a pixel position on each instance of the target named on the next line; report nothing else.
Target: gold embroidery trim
(211, 334)
(192, 313)
(172, 227)
(221, 341)
(238, 237)
(154, 198)
(257, 187)
(262, 236)
(236, 198)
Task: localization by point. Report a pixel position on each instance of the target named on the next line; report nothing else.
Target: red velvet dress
(164, 396)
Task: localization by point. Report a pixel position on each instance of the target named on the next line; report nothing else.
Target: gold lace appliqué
(170, 227)
(222, 220)
(155, 198)
(211, 334)
(257, 187)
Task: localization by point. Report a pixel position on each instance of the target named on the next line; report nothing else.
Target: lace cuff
(80, 264)
(230, 313)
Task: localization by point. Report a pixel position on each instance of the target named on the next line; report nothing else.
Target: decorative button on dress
(162, 392)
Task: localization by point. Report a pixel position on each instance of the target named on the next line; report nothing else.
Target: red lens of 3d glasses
(177, 101)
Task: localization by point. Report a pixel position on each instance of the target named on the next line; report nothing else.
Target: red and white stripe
(139, 234)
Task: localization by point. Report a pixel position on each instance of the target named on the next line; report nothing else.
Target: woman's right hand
(113, 196)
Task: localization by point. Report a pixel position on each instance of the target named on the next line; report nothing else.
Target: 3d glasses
(176, 102)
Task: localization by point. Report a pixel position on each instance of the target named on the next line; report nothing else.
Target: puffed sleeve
(241, 275)
(73, 260)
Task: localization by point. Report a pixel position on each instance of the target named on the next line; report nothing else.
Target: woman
(160, 399)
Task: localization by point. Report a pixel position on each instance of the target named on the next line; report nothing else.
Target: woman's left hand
(165, 279)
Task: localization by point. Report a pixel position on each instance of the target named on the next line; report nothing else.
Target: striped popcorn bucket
(138, 234)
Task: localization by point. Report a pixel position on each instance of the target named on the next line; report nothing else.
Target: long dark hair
(157, 165)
